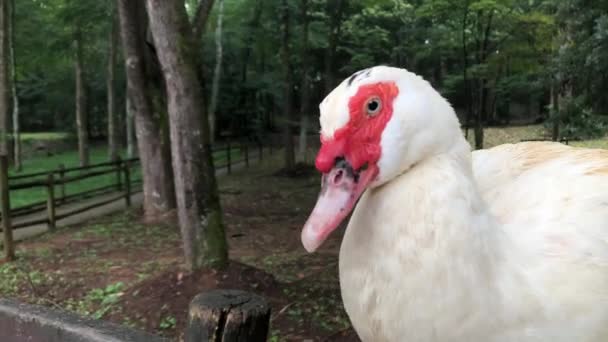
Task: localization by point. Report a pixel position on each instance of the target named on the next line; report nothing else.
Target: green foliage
(578, 121)
(514, 48)
(167, 323)
(105, 298)
(44, 35)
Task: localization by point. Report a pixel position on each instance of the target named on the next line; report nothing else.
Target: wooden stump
(227, 316)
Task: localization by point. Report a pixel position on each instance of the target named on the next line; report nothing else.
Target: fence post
(50, 201)
(61, 183)
(118, 172)
(127, 167)
(228, 159)
(235, 315)
(5, 207)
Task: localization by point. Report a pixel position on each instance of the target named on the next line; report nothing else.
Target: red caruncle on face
(358, 141)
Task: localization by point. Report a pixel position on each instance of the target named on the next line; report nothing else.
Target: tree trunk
(129, 125)
(111, 80)
(253, 24)
(16, 127)
(227, 315)
(305, 91)
(288, 91)
(216, 74)
(81, 102)
(465, 67)
(480, 115)
(482, 53)
(198, 205)
(200, 17)
(5, 84)
(334, 12)
(158, 186)
(555, 111)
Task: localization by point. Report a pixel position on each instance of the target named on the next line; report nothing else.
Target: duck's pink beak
(341, 187)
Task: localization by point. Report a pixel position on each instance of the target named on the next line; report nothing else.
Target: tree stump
(227, 316)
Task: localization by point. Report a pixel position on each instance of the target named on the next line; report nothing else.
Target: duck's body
(500, 245)
(429, 256)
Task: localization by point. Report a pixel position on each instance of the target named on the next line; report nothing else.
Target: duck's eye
(373, 106)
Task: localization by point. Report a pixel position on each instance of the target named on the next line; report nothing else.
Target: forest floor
(130, 272)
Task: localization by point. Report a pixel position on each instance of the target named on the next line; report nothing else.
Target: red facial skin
(359, 141)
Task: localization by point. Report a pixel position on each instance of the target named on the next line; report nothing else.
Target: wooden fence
(56, 181)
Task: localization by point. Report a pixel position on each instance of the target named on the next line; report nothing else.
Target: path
(118, 205)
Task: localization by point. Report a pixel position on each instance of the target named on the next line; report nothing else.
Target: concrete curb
(32, 323)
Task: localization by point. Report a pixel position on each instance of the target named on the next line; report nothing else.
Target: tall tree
(198, 204)
(217, 72)
(335, 10)
(5, 104)
(5, 80)
(81, 100)
(111, 90)
(16, 127)
(287, 88)
(158, 186)
(199, 21)
(129, 127)
(305, 87)
(250, 33)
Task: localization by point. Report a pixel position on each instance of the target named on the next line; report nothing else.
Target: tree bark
(16, 127)
(153, 149)
(198, 205)
(217, 73)
(227, 315)
(5, 86)
(111, 80)
(81, 102)
(465, 69)
(199, 22)
(5, 83)
(334, 12)
(305, 91)
(253, 24)
(130, 126)
(482, 53)
(288, 90)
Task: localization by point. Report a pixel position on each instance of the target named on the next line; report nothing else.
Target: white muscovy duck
(506, 244)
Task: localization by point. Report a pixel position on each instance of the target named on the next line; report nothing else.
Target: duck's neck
(437, 207)
(428, 234)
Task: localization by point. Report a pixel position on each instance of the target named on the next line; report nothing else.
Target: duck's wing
(543, 181)
(552, 201)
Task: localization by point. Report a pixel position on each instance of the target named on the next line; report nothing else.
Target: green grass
(595, 143)
(25, 137)
(494, 136)
(68, 159)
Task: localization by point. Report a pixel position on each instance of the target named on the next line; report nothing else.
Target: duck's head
(375, 125)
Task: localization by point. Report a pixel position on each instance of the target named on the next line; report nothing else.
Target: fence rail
(55, 181)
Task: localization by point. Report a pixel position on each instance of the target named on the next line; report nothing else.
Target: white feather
(507, 244)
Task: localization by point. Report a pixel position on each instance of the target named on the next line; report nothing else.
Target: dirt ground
(120, 269)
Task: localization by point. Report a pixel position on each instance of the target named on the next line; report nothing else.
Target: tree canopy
(496, 61)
